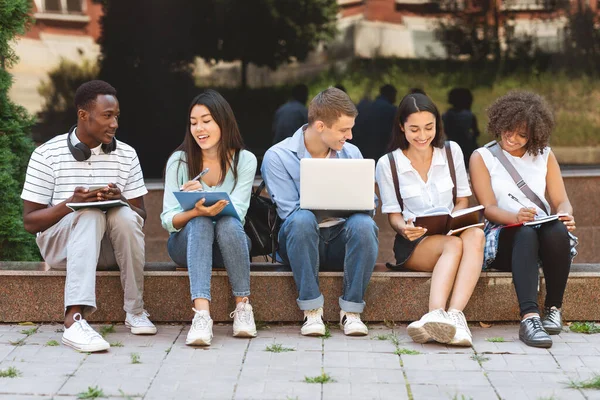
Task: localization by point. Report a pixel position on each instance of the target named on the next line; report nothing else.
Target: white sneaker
(313, 323)
(82, 337)
(352, 324)
(140, 324)
(200, 333)
(435, 325)
(463, 336)
(243, 320)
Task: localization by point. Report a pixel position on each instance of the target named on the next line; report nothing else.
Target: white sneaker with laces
(352, 324)
(243, 320)
(140, 324)
(435, 325)
(82, 337)
(200, 333)
(313, 323)
(463, 336)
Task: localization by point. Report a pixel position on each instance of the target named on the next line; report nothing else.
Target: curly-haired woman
(522, 123)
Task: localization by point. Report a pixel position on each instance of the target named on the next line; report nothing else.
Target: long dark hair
(410, 104)
(231, 139)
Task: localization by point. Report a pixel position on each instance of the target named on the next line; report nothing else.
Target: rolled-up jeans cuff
(87, 307)
(311, 304)
(201, 296)
(245, 293)
(349, 306)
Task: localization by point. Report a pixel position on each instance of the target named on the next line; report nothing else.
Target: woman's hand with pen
(526, 214)
(191, 186)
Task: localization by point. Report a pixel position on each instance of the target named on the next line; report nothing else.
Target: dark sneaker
(532, 333)
(552, 321)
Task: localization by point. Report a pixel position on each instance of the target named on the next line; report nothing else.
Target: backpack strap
(496, 150)
(395, 178)
(452, 170)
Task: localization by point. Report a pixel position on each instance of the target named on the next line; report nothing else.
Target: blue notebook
(189, 199)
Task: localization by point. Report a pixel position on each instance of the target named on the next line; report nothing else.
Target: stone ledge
(37, 295)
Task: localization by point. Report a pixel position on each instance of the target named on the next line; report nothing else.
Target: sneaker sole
(313, 333)
(356, 332)
(245, 334)
(553, 331)
(441, 332)
(198, 342)
(146, 330)
(418, 335)
(543, 345)
(462, 343)
(84, 349)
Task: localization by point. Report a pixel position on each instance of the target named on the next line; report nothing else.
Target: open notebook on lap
(334, 187)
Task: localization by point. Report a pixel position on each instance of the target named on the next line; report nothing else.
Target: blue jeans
(193, 247)
(351, 246)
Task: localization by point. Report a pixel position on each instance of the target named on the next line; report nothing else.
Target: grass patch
(106, 329)
(497, 339)
(404, 351)
(461, 397)
(168, 350)
(135, 358)
(479, 358)
(584, 327)
(593, 383)
(261, 325)
(30, 332)
(52, 343)
(10, 372)
(327, 334)
(116, 344)
(390, 336)
(323, 378)
(278, 348)
(92, 393)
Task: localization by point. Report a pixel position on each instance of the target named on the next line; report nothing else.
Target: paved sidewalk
(361, 368)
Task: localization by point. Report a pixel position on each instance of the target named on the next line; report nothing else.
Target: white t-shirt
(420, 196)
(533, 170)
(53, 173)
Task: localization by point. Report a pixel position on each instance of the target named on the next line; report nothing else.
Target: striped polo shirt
(53, 173)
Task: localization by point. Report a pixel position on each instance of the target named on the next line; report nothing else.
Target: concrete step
(34, 292)
(583, 187)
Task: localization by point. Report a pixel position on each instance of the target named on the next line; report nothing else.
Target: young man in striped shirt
(66, 169)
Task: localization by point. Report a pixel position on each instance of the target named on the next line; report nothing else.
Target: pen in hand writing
(517, 200)
(200, 175)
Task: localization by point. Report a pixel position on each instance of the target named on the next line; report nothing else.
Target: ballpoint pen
(517, 200)
(200, 175)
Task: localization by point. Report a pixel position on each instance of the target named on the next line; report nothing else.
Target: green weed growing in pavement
(124, 395)
(584, 327)
(547, 398)
(497, 339)
(323, 378)
(20, 342)
(29, 332)
(479, 358)
(405, 351)
(10, 372)
(135, 358)
(327, 334)
(390, 336)
(593, 383)
(51, 343)
(261, 325)
(278, 348)
(168, 350)
(92, 393)
(462, 397)
(116, 344)
(106, 329)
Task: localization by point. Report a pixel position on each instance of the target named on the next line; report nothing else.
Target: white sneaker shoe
(352, 324)
(313, 323)
(463, 336)
(200, 333)
(435, 325)
(243, 320)
(82, 337)
(140, 324)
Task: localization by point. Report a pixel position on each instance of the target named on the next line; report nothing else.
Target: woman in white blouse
(522, 123)
(425, 183)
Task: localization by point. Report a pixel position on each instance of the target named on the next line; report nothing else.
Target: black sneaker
(532, 333)
(552, 321)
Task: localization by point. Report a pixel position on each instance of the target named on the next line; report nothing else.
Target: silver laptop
(337, 184)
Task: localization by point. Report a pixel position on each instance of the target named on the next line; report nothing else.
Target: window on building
(63, 6)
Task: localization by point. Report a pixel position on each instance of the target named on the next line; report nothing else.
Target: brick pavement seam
(241, 369)
(406, 382)
(484, 371)
(163, 360)
(560, 366)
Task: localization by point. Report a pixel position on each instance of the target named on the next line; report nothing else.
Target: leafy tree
(15, 146)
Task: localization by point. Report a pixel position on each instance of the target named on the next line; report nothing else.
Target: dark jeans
(519, 250)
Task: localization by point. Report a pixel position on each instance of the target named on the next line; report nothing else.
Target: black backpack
(262, 225)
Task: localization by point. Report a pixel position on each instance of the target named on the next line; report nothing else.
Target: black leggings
(518, 251)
